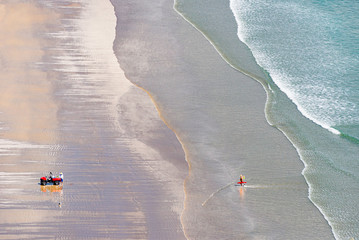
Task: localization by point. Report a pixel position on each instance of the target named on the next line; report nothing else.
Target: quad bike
(54, 180)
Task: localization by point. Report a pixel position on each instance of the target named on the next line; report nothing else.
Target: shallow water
(309, 56)
(312, 57)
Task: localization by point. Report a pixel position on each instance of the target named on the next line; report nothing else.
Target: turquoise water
(308, 52)
(311, 51)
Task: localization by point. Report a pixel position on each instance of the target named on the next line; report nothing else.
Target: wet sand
(66, 106)
(161, 52)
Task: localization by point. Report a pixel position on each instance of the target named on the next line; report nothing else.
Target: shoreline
(147, 71)
(266, 83)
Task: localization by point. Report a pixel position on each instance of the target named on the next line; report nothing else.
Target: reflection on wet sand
(242, 192)
(52, 188)
(66, 106)
(27, 109)
(27, 117)
(59, 92)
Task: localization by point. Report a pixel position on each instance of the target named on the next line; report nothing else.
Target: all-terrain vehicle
(51, 179)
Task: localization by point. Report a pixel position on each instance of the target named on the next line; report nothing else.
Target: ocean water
(311, 51)
(306, 54)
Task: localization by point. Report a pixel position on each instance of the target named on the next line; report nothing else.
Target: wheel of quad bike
(43, 183)
(56, 183)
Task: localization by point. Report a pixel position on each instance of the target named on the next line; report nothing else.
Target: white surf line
(217, 191)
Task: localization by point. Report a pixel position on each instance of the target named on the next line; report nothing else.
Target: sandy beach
(192, 85)
(131, 111)
(66, 106)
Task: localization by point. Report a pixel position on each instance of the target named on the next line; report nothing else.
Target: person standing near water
(241, 179)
